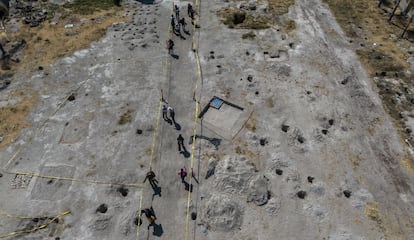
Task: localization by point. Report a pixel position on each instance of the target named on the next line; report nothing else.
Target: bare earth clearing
(301, 147)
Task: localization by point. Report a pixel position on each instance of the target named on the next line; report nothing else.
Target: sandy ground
(311, 121)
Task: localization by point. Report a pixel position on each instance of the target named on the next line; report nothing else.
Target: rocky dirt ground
(310, 154)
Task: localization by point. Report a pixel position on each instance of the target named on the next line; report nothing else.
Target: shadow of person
(157, 191)
(185, 153)
(177, 126)
(158, 231)
(169, 121)
(188, 187)
(187, 32)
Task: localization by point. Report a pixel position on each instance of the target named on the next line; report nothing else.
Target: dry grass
(363, 15)
(372, 212)
(269, 102)
(89, 7)
(408, 163)
(289, 26)
(48, 43)
(356, 160)
(13, 118)
(251, 124)
(383, 59)
(125, 118)
(231, 16)
(280, 7)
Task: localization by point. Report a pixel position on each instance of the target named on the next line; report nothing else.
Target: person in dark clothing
(151, 178)
(170, 47)
(173, 22)
(180, 141)
(189, 9)
(177, 12)
(183, 24)
(149, 213)
(164, 108)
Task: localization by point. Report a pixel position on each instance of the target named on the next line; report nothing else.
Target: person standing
(151, 178)
(164, 113)
(170, 46)
(183, 174)
(173, 22)
(189, 9)
(183, 24)
(172, 113)
(177, 12)
(180, 141)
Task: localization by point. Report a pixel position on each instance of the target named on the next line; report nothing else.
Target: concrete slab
(226, 121)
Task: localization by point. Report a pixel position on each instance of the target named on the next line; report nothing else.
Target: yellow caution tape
(35, 228)
(195, 127)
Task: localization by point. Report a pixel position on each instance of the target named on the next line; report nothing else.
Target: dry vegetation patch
(381, 52)
(249, 18)
(356, 16)
(13, 117)
(45, 44)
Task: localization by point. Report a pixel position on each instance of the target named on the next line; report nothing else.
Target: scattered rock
(250, 78)
(193, 215)
(324, 131)
(139, 131)
(310, 179)
(331, 122)
(301, 194)
(103, 208)
(301, 139)
(279, 172)
(285, 128)
(263, 141)
(347, 193)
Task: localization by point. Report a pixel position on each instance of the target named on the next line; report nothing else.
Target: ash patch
(222, 214)
(233, 174)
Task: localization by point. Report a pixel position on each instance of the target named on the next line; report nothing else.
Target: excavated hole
(123, 191)
(103, 208)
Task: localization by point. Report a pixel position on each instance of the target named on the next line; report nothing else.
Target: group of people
(168, 113)
(178, 23)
